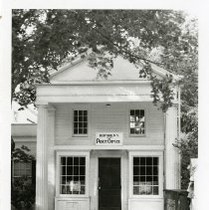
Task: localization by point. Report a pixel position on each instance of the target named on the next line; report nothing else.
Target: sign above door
(109, 138)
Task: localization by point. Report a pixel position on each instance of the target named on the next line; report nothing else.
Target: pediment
(80, 71)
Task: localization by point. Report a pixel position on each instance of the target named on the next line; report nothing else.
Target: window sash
(137, 122)
(145, 175)
(147, 153)
(80, 122)
(79, 184)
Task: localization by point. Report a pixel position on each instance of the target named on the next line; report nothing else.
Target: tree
(45, 39)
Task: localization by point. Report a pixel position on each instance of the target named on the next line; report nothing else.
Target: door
(109, 184)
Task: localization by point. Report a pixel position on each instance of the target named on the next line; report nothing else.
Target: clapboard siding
(108, 119)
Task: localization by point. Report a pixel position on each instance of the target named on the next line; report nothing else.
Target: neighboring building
(23, 130)
(102, 144)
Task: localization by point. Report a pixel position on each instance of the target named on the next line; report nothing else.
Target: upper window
(80, 122)
(137, 122)
(145, 176)
(73, 175)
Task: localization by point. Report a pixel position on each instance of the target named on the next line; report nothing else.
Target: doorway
(109, 185)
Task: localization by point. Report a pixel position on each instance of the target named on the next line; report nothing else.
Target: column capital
(44, 106)
(51, 108)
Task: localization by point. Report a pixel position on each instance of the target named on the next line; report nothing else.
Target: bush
(23, 193)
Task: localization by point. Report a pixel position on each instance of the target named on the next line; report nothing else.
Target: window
(22, 169)
(137, 122)
(145, 176)
(80, 122)
(72, 175)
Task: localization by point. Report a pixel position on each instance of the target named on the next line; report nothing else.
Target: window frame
(158, 154)
(13, 170)
(80, 109)
(58, 181)
(145, 124)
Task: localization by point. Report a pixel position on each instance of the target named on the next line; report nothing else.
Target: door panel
(109, 184)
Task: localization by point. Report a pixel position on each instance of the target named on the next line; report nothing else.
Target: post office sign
(112, 138)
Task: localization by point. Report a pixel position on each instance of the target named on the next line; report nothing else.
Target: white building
(103, 145)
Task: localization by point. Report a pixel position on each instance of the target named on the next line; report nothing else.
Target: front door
(109, 184)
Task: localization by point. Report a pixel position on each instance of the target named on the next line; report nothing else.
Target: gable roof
(123, 70)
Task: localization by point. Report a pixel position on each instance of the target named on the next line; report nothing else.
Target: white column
(51, 157)
(41, 160)
(172, 161)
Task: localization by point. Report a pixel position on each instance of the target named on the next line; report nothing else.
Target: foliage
(20, 154)
(43, 39)
(189, 149)
(162, 87)
(22, 190)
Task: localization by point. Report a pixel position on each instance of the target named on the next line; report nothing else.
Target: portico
(134, 160)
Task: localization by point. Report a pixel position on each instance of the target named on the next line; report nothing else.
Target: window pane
(132, 112)
(64, 170)
(142, 170)
(148, 190)
(82, 170)
(155, 161)
(155, 170)
(70, 170)
(155, 179)
(76, 160)
(85, 118)
(75, 125)
(63, 160)
(69, 160)
(136, 170)
(82, 161)
(75, 170)
(132, 130)
(155, 190)
(136, 161)
(136, 190)
(142, 178)
(149, 161)
(149, 170)
(149, 179)
(63, 179)
(142, 161)
(136, 180)
(82, 190)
